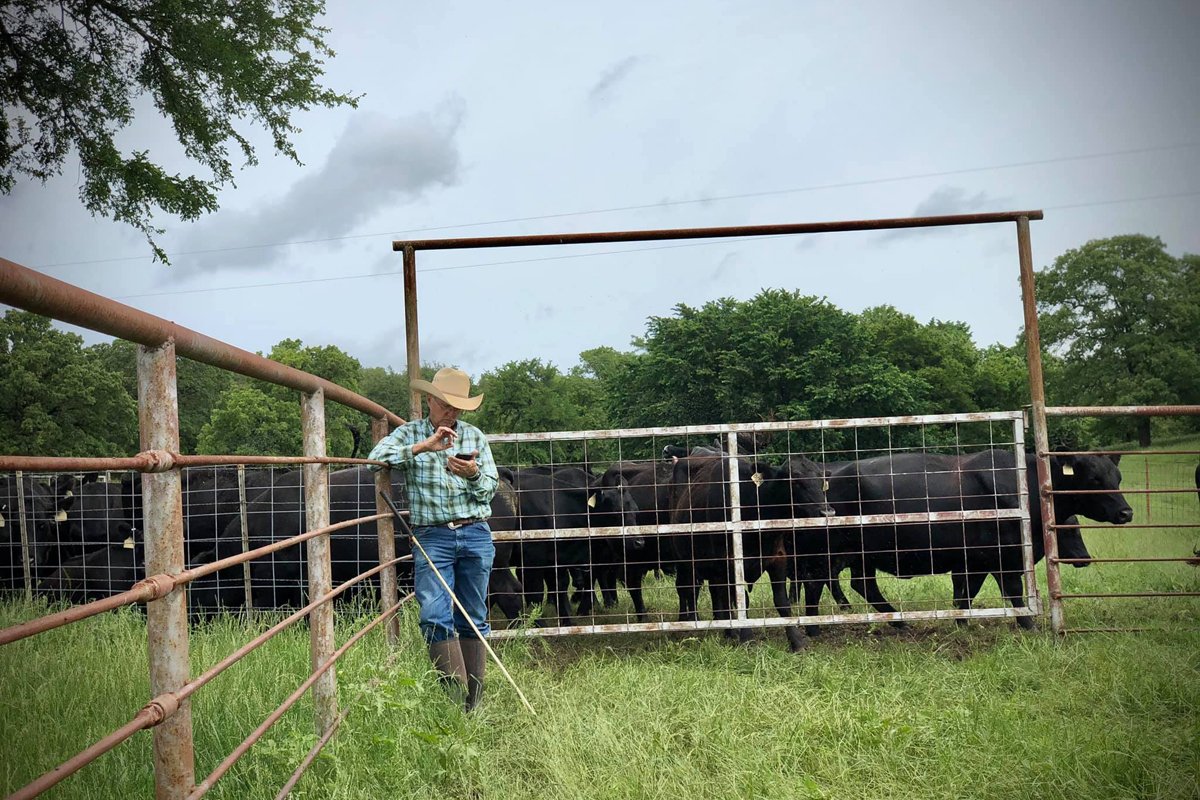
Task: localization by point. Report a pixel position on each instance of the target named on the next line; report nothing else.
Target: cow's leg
(1012, 587)
(812, 602)
(777, 571)
(688, 589)
(559, 581)
(966, 586)
(867, 587)
(633, 582)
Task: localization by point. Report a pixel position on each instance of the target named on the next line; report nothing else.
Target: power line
(645, 206)
(706, 243)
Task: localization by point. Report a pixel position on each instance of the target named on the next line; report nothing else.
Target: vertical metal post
(166, 619)
(410, 328)
(1041, 438)
(320, 570)
(1033, 596)
(245, 518)
(735, 525)
(23, 525)
(388, 592)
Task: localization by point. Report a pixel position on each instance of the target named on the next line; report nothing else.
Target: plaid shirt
(435, 494)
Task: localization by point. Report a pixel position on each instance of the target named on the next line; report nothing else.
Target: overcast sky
(488, 119)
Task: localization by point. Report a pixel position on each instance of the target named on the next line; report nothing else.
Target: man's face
(441, 414)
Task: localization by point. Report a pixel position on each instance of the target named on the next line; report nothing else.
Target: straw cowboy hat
(451, 386)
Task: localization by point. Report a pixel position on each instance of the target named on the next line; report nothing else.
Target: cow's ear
(1115, 458)
(1065, 464)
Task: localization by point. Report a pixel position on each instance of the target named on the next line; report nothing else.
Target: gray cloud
(602, 91)
(946, 200)
(377, 162)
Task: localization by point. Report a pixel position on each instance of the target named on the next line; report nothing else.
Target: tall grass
(933, 712)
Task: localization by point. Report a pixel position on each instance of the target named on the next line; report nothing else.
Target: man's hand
(463, 467)
(441, 439)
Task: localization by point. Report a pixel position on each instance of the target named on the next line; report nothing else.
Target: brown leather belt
(461, 523)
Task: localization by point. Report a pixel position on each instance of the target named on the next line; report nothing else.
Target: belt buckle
(456, 524)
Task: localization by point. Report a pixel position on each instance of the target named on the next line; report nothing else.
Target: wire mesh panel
(741, 526)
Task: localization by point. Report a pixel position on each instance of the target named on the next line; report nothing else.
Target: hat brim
(461, 403)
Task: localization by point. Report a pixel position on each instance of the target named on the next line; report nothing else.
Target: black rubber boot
(447, 658)
(474, 656)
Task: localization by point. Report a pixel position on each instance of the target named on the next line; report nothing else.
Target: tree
(780, 355)
(199, 386)
(57, 398)
(941, 355)
(71, 70)
(264, 419)
(1122, 314)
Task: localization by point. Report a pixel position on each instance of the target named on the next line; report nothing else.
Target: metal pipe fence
(1164, 485)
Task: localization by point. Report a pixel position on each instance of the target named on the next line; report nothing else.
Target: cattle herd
(84, 537)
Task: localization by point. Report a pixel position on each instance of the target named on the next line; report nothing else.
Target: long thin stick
(449, 591)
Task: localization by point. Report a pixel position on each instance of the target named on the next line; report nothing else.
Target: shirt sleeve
(395, 449)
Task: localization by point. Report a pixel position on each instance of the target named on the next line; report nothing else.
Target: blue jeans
(464, 558)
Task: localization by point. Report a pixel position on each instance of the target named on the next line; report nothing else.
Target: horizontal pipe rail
(1181, 559)
(765, 622)
(1122, 411)
(610, 237)
(1142, 525)
(41, 294)
(163, 706)
(1123, 453)
(239, 751)
(159, 461)
(759, 427)
(1130, 594)
(159, 586)
(312, 754)
(1105, 630)
(1191, 490)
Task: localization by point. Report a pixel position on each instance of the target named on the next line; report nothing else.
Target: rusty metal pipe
(41, 294)
(1131, 594)
(713, 233)
(386, 529)
(239, 751)
(320, 568)
(312, 754)
(1122, 411)
(157, 461)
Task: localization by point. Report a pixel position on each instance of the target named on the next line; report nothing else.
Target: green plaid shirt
(435, 494)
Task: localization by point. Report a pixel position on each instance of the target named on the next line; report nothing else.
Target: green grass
(865, 712)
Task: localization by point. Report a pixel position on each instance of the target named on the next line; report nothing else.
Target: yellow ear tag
(69, 493)
(824, 486)
(61, 516)
(1068, 469)
(1, 520)
(757, 478)
(591, 501)
(128, 543)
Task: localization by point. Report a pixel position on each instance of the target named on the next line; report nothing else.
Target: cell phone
(466, 456)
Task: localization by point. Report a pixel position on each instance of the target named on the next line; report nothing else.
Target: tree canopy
(72, 71)
(1122, 314)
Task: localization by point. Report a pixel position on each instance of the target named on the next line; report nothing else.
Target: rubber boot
(474, 656)
(447, 658)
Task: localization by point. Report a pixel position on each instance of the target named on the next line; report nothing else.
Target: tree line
(1119, 318)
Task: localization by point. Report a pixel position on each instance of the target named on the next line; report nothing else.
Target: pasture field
(936, 711)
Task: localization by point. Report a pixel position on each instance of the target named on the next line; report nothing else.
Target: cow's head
(45, 508)
(810, 487)
(1090, 473)
(613, 497)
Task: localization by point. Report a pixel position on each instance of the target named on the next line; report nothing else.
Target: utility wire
(645, 206)
(706, 243)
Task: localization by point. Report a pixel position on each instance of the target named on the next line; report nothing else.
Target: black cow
(558, 497)
(765, 492)
(969, 551)
(46, 507)
(280, 579)
(100, 516)
(100, 573)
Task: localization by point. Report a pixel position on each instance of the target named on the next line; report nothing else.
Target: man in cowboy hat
(451, 477)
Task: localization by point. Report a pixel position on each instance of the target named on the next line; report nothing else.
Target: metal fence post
(23, 525)
(320, 570)
(245, 520)
(735, 524)
(166, 619)
(388, 593)
(411, 339)
(1041, 438)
